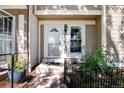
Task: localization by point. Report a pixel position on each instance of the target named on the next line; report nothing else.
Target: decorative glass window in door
(75, 41)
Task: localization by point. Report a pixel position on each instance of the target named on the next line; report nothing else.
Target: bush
(95, 61)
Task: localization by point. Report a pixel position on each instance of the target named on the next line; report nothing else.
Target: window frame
(5, 38)
(75, 40)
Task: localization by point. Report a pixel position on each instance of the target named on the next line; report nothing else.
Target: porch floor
(43, 76)
(49, 76)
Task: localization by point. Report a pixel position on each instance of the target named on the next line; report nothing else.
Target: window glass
(10, 27)
(1, 46)
(1, 25)
(5, 46)
(5, 25)
(9, 45)
(75, 41)
(5, 33)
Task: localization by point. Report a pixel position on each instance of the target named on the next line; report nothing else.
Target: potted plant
(19, 71)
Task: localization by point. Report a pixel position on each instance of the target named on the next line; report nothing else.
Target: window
(5, 25)
(1, 25)
(75, 40)
(6, 35)
(10, 27)
(1, 46)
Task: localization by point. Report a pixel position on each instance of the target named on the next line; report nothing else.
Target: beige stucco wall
(98, 31)
(33, 38)
(42, 41)
(90, 37)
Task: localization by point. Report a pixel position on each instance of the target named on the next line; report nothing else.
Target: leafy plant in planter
(19, 71)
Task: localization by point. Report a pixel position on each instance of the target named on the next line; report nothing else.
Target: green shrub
(95, 61)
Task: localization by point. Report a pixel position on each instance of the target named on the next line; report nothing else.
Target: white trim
(29, 38)
(5, 35)
(103, 30)
(13, 33)
(67, 12)
(39, 43)
(86, 22)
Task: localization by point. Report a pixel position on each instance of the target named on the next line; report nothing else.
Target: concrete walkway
(49, 76)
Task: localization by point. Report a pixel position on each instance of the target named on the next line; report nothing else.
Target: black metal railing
(74, 77)
(11, 58)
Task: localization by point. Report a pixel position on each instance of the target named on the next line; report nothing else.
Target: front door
(53, 40)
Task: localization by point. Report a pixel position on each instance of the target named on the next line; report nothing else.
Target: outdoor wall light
(65, 27)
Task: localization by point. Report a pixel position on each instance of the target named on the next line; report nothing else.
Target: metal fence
(6, 59)
(74, 77)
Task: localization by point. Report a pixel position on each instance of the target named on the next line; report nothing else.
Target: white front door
(53, 40)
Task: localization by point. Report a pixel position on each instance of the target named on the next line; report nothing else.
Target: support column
(13, 33)
(103, 28)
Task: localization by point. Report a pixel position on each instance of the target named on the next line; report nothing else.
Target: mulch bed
(26, 84)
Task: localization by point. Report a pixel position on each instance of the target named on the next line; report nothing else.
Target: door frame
(69, 22)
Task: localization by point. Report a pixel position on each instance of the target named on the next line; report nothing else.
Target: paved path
(52, 78)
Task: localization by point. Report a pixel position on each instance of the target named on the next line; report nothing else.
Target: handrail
(13, 53)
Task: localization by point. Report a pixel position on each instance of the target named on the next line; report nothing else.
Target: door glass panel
(75, 40)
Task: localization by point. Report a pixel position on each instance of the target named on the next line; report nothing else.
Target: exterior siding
(115, 31)
(42, 41)
(33, 38)
(98, 31)
(91, 37)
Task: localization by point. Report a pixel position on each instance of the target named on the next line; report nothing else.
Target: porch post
(29, 45)
(103, 28)
(13, 33)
